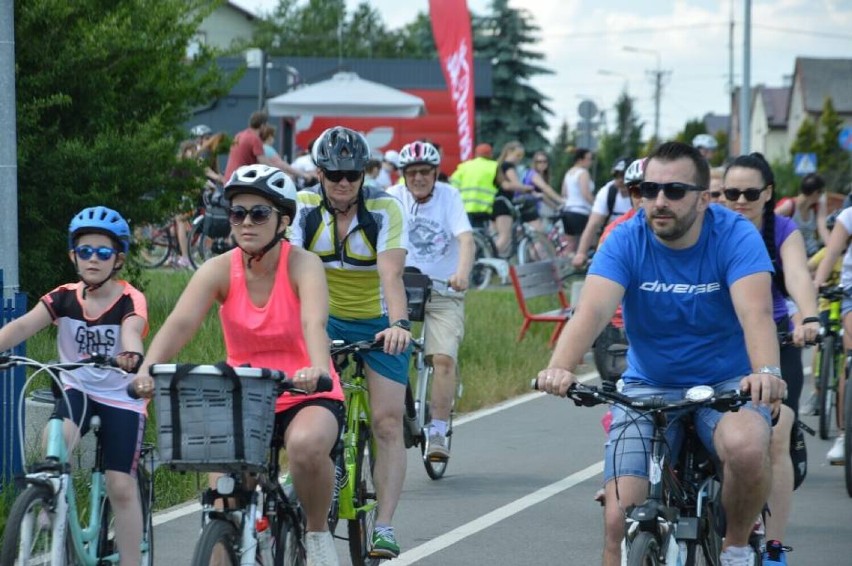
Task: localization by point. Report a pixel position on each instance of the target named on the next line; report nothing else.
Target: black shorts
(529, 210)
(479, 219)
(501, 208)
(283, 420)
(574, 222)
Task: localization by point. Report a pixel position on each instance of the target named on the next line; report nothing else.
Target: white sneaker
(737, 556)
(320, 549)
(837, 452)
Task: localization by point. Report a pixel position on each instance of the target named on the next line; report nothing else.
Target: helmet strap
(279, 235)
(95, 286)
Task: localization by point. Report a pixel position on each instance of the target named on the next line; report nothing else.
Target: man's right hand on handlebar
(555, 381)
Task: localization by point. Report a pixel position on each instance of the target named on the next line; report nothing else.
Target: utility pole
(745, 91)
(657, 76)
(8, 153)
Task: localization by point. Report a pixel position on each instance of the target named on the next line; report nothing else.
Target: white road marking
(440, 543)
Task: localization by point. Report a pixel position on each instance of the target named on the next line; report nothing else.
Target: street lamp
(608, 73)
(658, 84)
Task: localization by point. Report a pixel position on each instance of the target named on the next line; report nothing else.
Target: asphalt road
(519, 490)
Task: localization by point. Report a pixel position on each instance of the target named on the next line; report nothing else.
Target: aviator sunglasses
(86, 252)
(337, 176)
(751, 195)
(259, 214)
(672, 191)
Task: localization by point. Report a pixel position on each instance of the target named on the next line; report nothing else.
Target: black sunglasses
(672, 191)
(259, 214)
(751, 195)
(715, 194)
(337, 176)
(86, 252)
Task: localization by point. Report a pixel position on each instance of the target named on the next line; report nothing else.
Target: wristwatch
(403, 323)
(771, 370)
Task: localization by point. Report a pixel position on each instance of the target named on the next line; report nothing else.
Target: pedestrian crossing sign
(804, 163)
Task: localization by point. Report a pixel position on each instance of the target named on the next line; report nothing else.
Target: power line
(845, 36)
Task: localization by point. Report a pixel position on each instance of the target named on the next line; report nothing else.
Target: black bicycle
(681, 521)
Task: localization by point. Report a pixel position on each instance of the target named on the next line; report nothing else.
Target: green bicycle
(355, 494)
(45, 524)
(830, 363)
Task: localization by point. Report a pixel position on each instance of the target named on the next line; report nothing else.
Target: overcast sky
(579, 38)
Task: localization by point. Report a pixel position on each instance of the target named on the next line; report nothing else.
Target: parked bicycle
(47, 524)
(418, 289)
(831, 366)
(252, 515)
(355, 498)
(681, 521)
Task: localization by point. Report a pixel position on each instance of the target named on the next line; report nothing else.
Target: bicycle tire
(826, 377)
(533, 247)
(288, 548)
(480, 275)
(706, 550)
(106, 543)
(644, 550)
(201, 246)
(155, 245)
(217, 534)
(847, 440)
(361, 529)
(146, 495)
(35, 502)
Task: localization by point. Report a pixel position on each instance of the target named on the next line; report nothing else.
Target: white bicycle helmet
(200, 130)
(635, 172)
(269, 182)
(417, 153)
(705, 141)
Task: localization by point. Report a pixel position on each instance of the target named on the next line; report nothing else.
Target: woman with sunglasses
(273, 307)
(809, 210)
(749, 188)
(99, 315)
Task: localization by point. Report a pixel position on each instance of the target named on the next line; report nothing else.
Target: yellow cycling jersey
(354, 289)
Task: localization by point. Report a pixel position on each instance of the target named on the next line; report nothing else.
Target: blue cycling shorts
(394, 368)
(628, 446)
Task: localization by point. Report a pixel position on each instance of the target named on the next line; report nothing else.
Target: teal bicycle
(46, 524)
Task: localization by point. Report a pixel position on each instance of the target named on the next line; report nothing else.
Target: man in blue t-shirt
(695, 285)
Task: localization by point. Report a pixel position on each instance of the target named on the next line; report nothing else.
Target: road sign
(804, 163)
(845, 138)
(587, 109)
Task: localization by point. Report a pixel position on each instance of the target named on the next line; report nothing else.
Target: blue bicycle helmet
(100, 220)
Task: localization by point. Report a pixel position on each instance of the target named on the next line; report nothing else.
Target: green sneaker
(383, 543)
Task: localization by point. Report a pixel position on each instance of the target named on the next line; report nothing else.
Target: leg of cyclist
(836, 453)
(781, 494)
(741, 440)
(310, 445)
(387, 403)
(503, 241)
(631, 490)
(124, 498)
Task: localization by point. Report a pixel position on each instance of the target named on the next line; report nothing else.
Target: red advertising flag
(451, 29)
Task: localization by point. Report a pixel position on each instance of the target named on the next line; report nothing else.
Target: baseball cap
(483, 150)
(620, 165)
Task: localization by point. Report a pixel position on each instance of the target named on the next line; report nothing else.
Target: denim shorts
(394, 368)
(628, 446)
(845, 306)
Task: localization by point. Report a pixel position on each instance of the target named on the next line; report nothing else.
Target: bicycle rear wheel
(480, 275)
(28, 537)
(847, 441)
(436, 469)
(288, 549)
(827, 382)
(145, 481)
(535, 246)
(361, 529)
(155, 244)
(219, 544)
(644, 551)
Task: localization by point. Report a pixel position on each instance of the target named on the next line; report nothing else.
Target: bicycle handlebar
(590, 395)
(344, 348)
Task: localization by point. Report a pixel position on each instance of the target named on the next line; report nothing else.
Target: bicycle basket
(418, 288)
(213, 418)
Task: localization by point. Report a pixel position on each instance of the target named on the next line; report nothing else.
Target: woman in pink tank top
(273, 307)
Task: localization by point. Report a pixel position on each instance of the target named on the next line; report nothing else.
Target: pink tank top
(269, 336)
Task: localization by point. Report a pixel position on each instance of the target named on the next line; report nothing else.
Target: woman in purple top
(749, 188)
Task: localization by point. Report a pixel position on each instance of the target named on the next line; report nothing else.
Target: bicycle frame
(357, 412)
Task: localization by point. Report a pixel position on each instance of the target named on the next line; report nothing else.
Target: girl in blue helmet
(99, 315)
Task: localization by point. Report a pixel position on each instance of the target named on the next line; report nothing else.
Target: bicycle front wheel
(28, 538)
(480, 275)
(827, 384)
(644, 550)
(847, 440)
(288, 550)
(146, 496)
(361, 529)
(219, 544)
(535, 247)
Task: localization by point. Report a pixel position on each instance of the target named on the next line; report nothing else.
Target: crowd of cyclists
(706, 268)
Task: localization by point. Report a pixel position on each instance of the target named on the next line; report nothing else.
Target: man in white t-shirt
(611, 201)
(440, 244)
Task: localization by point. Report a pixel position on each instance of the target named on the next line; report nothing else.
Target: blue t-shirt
(678, 313)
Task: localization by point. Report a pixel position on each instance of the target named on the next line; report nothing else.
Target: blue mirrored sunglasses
(86, 252)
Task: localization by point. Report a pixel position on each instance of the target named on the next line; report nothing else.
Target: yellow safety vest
(475, 181)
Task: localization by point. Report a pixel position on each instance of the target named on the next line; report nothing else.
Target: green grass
(493, 365)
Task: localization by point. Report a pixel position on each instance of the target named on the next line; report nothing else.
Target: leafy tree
(416, 38)
(561, 157)
(100, 101)
(691, 129)
(517, 111)
(624, 141)
(806, 138)
(832, 160)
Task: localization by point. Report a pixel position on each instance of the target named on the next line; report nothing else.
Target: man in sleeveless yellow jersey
(475, 180)
(359, 234)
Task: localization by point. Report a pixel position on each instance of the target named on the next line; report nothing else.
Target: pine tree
(561, 155)
(832, 160)
(517, 110)
(624, 141)
(806, 138)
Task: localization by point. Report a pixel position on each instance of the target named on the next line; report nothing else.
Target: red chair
(539, 279)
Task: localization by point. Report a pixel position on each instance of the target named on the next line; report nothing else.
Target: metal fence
(11, 383)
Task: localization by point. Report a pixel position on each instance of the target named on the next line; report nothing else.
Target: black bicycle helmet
(341, 149)
(269, 182)
(100, 220)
